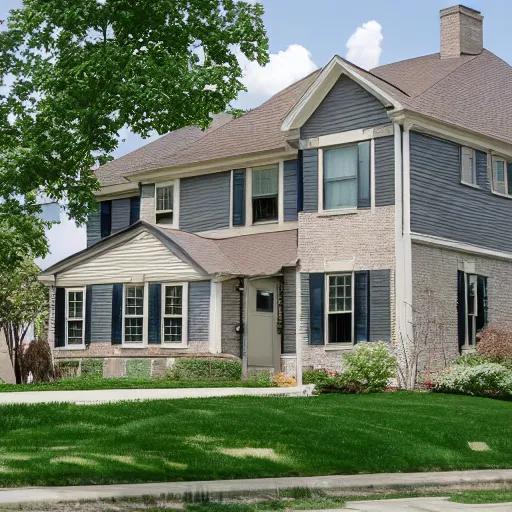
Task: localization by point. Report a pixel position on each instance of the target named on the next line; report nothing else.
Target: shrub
(487, 379)
(342, 383)
(281, 380)
(196, 368)
(37, 359)
(369, 367)
(92, 367)
(138, 368)
(476, 360)
(495, 343)
(67, 369)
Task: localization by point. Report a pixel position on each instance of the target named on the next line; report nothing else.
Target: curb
(264, 487)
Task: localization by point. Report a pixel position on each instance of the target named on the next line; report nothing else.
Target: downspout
(240, 327)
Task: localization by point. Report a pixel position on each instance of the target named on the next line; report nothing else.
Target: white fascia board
(312, 98)
(117, 191)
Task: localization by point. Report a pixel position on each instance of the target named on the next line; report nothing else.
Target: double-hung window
(164, 201)
(265, 193)
(174, 313)
(468, 166)
(501, 176)
(473, 319)
(75, 316)
(339, 308)
(133, 314)
(346, 177)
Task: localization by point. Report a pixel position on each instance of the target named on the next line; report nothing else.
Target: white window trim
(144, 342)
(67, 291)
(326, 310)
(473, 171)
(505, 176)
(175, 199)
(349, 209)
(467, 277)
(184, 317)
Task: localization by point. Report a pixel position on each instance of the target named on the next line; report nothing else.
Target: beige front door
(263, 341)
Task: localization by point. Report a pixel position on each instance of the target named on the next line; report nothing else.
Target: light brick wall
(435, 298)
(367, 237)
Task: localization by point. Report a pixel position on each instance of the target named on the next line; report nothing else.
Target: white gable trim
(312, 98)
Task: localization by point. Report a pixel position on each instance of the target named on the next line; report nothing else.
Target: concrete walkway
(118, 395)
(421, 505)
(267, 486)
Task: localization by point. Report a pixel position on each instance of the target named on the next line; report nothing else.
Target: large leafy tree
(80, 70)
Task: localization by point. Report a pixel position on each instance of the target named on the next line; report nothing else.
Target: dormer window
(164, 202)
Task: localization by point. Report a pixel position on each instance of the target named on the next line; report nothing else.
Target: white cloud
(283, 69)
(364, 45)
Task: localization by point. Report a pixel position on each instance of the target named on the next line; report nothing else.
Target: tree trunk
(17, 359)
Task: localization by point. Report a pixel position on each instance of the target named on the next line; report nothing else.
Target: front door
(263, 340)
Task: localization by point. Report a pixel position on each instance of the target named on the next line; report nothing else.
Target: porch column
(244, 326)
(215, 317)
(298, 334)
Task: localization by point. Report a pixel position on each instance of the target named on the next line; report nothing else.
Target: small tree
(23, 299)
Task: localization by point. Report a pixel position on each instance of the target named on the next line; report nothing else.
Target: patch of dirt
(14, 456)
(73, 460)
(478, 446)
(261, 453)
(175, 465)
(202, 439)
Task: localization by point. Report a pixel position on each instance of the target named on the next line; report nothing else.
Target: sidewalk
(268, 486)
(118, 395)
(420, 505)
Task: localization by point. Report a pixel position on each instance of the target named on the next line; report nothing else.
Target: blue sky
(304, 35)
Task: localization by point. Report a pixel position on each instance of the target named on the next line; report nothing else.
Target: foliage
(184, 440)
(476, 360)
(487, 379)
(92, 367)
(199, 368)
(259, 377)
(342, 383)
(38, 361)
(281, 380)
(369, 366)
(138, 368)
(22, 300)
(495, 344)
(80, 72)
(318, 377)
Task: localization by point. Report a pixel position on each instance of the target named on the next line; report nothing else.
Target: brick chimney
(461, 32)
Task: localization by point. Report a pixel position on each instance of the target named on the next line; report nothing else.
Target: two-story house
(352, 206)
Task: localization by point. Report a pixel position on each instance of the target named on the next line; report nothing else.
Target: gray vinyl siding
(230, 318)
(204, 202)
(380, 305)
(120, 214)
(289, 310)
(384, 171)
(101, 313)
(441, 206)
(346, 107)
(310, 180)
(290, 190)
(93, 227)
(199, 311)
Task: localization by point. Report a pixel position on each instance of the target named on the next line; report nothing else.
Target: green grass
(91, 383)
(183, 439)
(491, 496)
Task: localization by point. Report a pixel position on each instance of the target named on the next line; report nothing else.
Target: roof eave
(317, 91)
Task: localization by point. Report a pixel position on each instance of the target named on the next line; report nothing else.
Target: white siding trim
(372, 174)
(231, 191)
(248, 196)
(320, 180)
(215, 317)
(298, 335)
(176, 200)
(280, 193)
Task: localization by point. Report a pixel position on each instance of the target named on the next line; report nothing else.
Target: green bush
(196, 368)
(92, 367)
(68, 364)
(138, 368)
(486, 379)
(318, 377)
(470, 360)
(369, 367)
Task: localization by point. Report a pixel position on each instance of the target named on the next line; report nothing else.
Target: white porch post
(216, 317)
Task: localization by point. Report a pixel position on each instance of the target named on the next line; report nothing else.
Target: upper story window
(265, 193)
(468, 166)
(164, 201)
(75, 316)
(346, 177)
(105, 218)
(501, 176)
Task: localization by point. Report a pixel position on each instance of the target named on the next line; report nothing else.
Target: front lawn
(250, 437)
(91, 383)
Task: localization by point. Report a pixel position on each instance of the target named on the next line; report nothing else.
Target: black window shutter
(60, 317)
(88, 314)
(461, 308)
(363, 175)
(316, 309)
(362, 306)
(117, 314)
(134, 209)
(155, 314)
(105, 218)
(380, 305)
(239, 197)
(482, 320)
